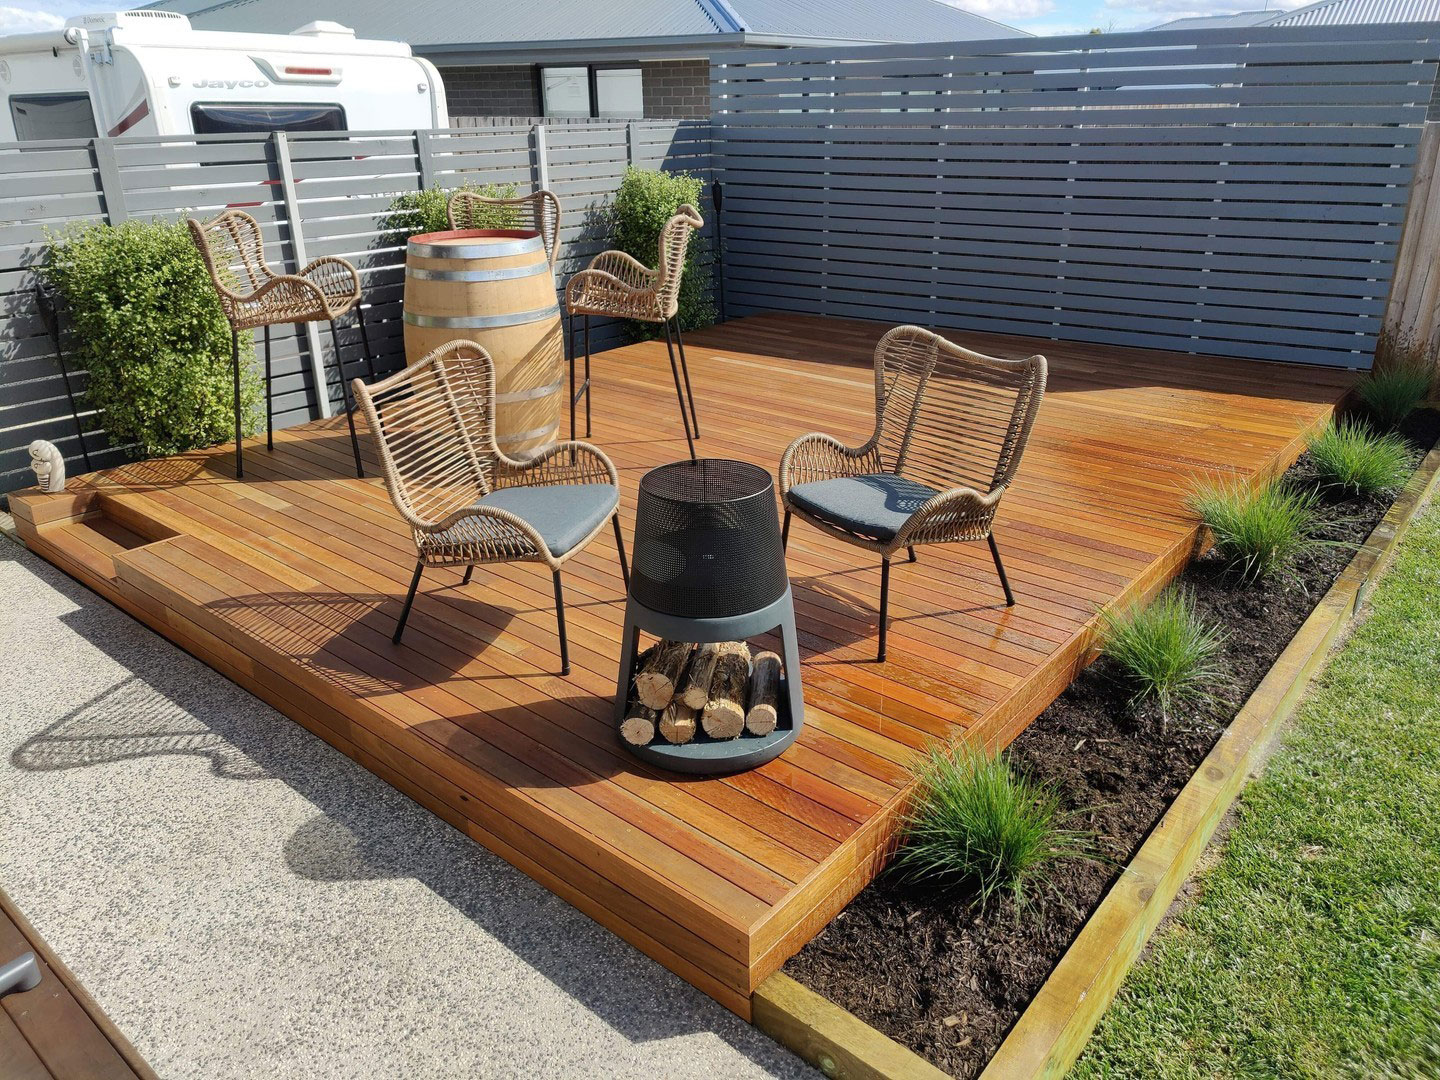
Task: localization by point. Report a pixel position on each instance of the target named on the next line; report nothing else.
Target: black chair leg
(884, 606)
(269, 410)
(620, 547)
(569, 331)
(785, 533)
(349, 402)
(365, 340)
(468, 571)
(409, 600)
(560, 619)
(685, 371)
(239, 433)
(912, 553)
(679, 393)
(1000, 569)
(587, 376)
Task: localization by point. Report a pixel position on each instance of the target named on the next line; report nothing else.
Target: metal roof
(1345, 12)
(1220, 22)
(1324, 13)
(454, 26)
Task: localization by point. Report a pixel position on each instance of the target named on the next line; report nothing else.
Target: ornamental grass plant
(974, 822)
(1165, 651)
(1349, 457)
(1257, 532)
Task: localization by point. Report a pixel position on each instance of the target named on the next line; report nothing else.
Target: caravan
(148, 73)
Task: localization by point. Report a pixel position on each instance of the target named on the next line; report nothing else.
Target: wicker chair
(617, 286)
(466, 503)
(251, 295)
(539, 211)
(950, 426)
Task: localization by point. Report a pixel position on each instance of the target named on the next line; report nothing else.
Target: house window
(52, 116)
(591, 91)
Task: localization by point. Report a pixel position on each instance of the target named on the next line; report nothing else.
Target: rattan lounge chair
(617, 286)
(251, 295)
(467, 503)
(950, 426)
(539, 211)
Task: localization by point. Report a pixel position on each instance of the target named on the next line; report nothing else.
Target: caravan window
(52, 116)
(222, 119)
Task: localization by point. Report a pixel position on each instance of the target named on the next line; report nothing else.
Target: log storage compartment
(708, 572)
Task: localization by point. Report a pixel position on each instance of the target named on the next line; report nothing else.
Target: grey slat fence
(313, 194)
(1233, 192)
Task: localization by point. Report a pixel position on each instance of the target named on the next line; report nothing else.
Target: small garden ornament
(49, 466)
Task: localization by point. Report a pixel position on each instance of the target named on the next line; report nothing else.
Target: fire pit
(708, 567)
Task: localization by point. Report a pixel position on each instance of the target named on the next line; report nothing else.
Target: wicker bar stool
(539, 210)
(618, 286)
(252, 294)
(467, 503)
(950, 426)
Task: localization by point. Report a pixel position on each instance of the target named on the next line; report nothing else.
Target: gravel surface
(245, 901)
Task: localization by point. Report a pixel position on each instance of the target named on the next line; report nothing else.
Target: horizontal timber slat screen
(1230, 192)
(340, 187)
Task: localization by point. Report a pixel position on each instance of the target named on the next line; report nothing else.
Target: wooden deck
(290, 582)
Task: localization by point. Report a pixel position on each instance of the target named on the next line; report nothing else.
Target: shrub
(645, 201)
(1389, 396)
(974, 822)
(418, 212)
(1165, 651)
(143, 318)
(1257, 532)
(1348, 456)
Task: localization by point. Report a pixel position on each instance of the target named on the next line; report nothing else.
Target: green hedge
(645, 201)
(418, 212)
(143, 318)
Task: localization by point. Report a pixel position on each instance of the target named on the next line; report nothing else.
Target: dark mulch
(948, 980)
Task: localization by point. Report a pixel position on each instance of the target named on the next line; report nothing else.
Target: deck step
(90, 546)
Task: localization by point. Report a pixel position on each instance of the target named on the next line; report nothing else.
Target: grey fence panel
(1236, 192)
(341, 187)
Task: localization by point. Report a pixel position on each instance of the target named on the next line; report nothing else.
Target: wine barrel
(493, 287)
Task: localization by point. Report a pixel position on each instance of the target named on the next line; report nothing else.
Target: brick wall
(502, 90)
(676, 89)
(672, 89)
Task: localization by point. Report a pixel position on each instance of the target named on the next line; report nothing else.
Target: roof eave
(607, 50)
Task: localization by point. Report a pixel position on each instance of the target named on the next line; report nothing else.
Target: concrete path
(245, 901)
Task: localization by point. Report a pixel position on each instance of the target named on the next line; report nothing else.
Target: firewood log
(762, 695)
(696, 690)
(656, 683)
(724, 716)
(638, 729)
(677, 723)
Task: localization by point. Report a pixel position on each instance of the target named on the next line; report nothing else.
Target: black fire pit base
(703, 754)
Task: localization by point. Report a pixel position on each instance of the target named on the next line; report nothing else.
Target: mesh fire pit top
(707, 540)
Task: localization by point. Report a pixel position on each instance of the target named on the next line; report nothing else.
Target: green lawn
(1312, 948)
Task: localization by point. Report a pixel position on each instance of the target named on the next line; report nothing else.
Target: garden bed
(957, 978)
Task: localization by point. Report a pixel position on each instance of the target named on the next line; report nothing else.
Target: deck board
(290, 582)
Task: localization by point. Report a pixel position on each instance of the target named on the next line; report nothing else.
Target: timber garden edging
(1054, 1028)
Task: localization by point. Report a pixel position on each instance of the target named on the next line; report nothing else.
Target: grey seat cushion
(875, 505)
(563, 514)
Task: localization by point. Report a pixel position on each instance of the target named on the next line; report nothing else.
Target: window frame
(592, 86)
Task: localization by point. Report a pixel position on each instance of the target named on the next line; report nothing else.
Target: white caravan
(148, 73)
